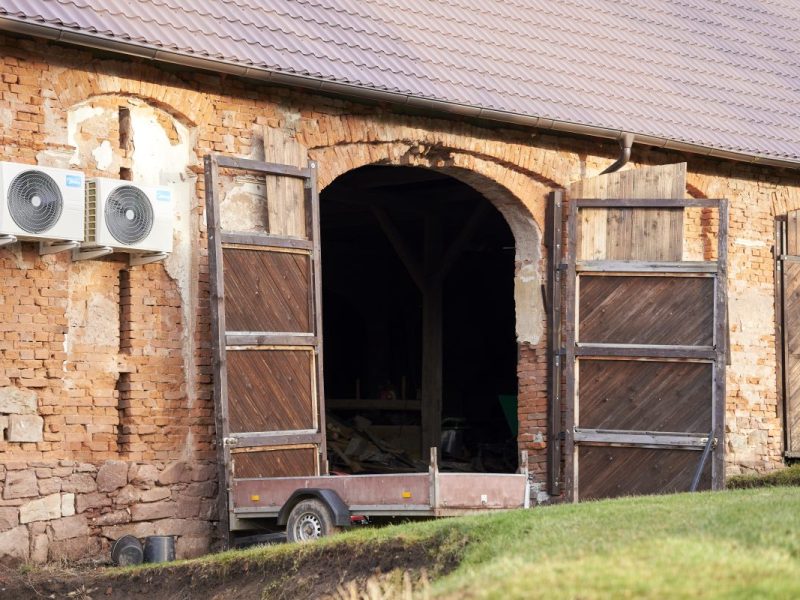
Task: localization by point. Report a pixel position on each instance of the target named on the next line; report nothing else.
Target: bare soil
(310, 572)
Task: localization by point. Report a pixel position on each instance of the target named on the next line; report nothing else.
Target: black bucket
(127, 551)
(159, 548)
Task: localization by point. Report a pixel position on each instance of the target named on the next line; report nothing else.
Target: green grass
(733, 544)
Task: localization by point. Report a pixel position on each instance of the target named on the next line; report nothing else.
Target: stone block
(189, 527)
(155, 494)
(79, 483)
(85, 468)
(70, 527)
(51, 485)
(115, 517)
(188, 507)
(112, 475)
(9, 517)
(177, 472)
(127, 495)
(75, 548)
(20, 484)
(84, 502)
(67, 505)
(142, 474)
(204, 472)
(39, 548)
(14, 545)
(152, 511)
(206, 489)
(41, 509)
(25, 428)
(3, 426)
(139, 530)
(17, 401)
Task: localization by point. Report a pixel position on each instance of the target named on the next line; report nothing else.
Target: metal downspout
(625, 143)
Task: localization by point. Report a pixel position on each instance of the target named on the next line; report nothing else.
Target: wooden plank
(721, 343)
(554, 282)
(791, 327)
(246, 164)
(257, 440)
(250, 338)
(285, 195)
(217, 306)
(254, 239)
(271, 390)
(267, 291)
(695, 441)
(650, 202)
(311, 193)
(432, 334)
(608, 472)
(284, 462)
(646, 310)
(570, 450)
(793, 232)
(412, 265)
(645, 396)
(643, 266)
(645, 351)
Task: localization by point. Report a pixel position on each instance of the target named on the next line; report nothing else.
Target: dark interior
(372, 315)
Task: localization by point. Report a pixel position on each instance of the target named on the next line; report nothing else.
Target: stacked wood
(353, 448)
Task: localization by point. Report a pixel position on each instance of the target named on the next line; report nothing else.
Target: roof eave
(131, 48)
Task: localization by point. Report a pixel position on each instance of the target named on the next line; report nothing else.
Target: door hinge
(230, 441)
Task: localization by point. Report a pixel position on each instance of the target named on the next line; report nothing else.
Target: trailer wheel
(309, 521)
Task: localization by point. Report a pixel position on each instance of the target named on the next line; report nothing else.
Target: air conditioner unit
(41, 203)
(127, 217)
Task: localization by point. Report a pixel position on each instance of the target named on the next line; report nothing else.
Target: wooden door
(645, 348)
(266, 317)
(788, 269)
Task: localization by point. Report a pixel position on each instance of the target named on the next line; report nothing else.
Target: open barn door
(646, 337)
(266, 320)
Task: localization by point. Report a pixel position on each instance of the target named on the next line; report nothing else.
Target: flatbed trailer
(268, 379)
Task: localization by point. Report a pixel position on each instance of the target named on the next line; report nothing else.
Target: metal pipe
(625, 143)
(20, 26)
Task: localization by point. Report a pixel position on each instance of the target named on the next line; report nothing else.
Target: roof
(719, 74)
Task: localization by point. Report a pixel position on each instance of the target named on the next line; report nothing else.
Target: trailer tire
(310, 520)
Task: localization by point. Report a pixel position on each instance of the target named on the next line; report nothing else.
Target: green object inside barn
(508, 403)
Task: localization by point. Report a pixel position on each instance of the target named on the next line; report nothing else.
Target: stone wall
(107, 369)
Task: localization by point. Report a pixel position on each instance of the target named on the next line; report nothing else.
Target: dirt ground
(308, 573)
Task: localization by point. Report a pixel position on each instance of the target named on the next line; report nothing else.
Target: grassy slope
(736, 544)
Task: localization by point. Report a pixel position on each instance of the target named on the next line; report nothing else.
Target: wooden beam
(464, 236)
(395, 237)
(432, 332)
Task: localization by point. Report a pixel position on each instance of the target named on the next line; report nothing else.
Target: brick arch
(518, 197)
(139, 80)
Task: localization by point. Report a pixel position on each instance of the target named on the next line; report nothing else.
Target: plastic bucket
(127, 551)
(159, 548)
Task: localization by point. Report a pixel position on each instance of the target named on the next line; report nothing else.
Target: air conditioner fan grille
(34, 201)
(128, 214)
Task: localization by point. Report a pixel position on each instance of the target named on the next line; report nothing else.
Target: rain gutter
(223, 65)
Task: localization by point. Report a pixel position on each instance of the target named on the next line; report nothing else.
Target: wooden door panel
(791, 333)
(646, 310)
(267, 290)
(271, 390)
(275, 462)
(645, 395)
(609, 472)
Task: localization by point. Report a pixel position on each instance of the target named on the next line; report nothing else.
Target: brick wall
(108, 368)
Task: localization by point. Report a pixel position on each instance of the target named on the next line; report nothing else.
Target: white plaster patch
(6, 118)
(75, 118)
(751, 311)
(244, 206)
(103, 156)
(750, 243)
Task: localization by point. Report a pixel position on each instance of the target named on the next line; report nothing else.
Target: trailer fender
(339, 510)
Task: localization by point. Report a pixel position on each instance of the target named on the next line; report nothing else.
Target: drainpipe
(625, 143)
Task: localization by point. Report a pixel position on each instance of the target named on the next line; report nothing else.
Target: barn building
(444, 139)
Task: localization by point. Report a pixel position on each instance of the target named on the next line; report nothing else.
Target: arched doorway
(419, 323)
